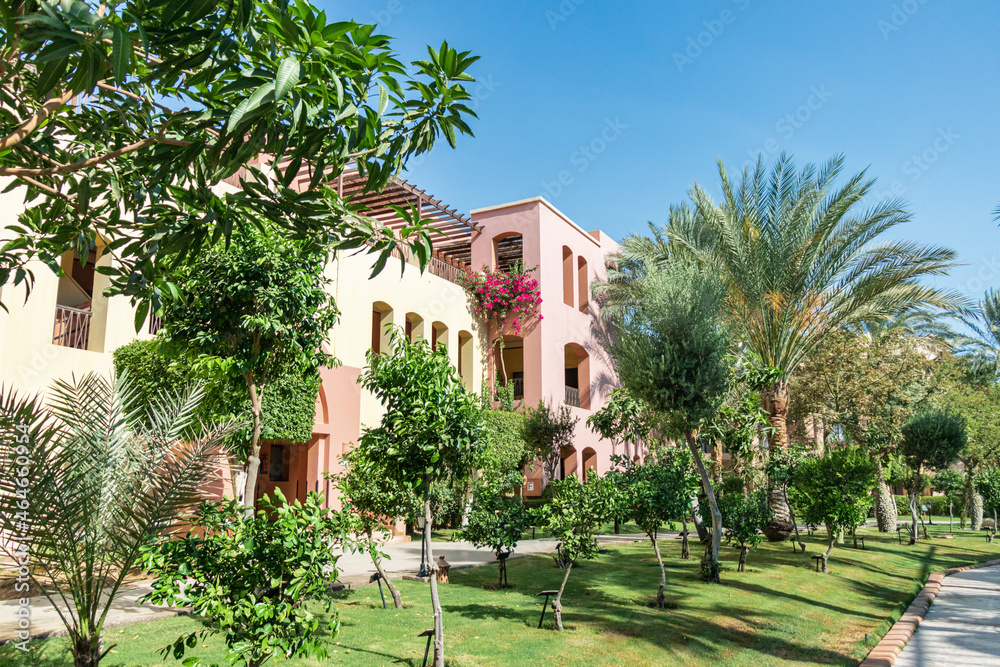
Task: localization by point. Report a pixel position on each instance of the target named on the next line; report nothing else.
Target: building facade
(67, 327)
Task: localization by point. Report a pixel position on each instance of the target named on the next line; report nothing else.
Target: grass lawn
(778, 612)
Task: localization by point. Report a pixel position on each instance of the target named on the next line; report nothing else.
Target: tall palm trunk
(775, 398)
(886, 512)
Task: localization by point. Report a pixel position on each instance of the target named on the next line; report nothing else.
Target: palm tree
(801, 258)
(86, 482)
(983, 346)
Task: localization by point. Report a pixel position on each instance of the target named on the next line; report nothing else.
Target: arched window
(381, 319)
(583, 284)
(465, 352)
(414, 327)
(511, 370)
(439, 335)
(567, 261)
(508, 250)
(577, 376)
(589, 463)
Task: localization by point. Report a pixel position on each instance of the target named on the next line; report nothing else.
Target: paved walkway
(962, 626)
(355, 570)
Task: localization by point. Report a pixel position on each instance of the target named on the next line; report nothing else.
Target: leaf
(121, 53)
(140, 315)
(289, 72)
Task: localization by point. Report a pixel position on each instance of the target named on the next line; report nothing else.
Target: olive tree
(432, 428)
(932, 440)
(576, 512)
(670, 352)
(496, 520)
(834, 489)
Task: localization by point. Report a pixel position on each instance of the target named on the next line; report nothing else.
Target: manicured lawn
(779, 612)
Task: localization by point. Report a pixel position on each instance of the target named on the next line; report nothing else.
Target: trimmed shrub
(938, 505)
(289, 405)
(505, 434)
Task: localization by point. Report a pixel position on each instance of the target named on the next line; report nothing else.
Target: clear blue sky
(659, 91)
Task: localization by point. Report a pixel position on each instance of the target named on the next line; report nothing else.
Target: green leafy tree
(657, 491)
(496, 520)
(370, 502)
(85, 485)
(800, 259)
(931, 441)
(952, 485)
(979, 407)
(869, 382)
(547, 433)
(671, 353)
(576, 512)
(834, 489)
(625, 419)
(122, 120)
(248, 314)
(744, 517)
(988, 485)
(249, 577)
(432, 428)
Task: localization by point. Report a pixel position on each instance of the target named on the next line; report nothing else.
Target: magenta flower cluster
(509, 298)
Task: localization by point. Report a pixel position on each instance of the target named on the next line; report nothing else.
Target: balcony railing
(155, 324)
(572, 397)
(452, 272)
(72, 327)
(518, 386)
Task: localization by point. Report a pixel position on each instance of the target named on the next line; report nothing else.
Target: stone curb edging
(888, 649)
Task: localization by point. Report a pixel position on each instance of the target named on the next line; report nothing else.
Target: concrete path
(962, 626)
(355, 571)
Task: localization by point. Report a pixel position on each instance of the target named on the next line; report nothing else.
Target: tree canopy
(122, 119)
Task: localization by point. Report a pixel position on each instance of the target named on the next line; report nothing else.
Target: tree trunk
(826, 557)
(432, 568)
(396, 599)
(914, 497)
(706, 483)
(661, 601)
(795, 524)
(86, 650)
(781, 526)
(685, 545)
(557, 603)
(886, 512)
(743, 558)
(699, 526)
(775, 398)
(976, 511)
(252, 465)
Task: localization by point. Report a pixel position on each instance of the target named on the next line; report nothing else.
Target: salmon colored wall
(546, 232)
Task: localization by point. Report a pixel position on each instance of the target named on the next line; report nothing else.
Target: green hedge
(505, 434)
(937, 504)
(289, 405)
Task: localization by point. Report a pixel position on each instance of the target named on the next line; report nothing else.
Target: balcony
(72, 327)
(518, 384)
(572, 397)
(155, 324)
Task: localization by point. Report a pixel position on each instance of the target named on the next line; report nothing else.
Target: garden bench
(429, 633)
(547, 594)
